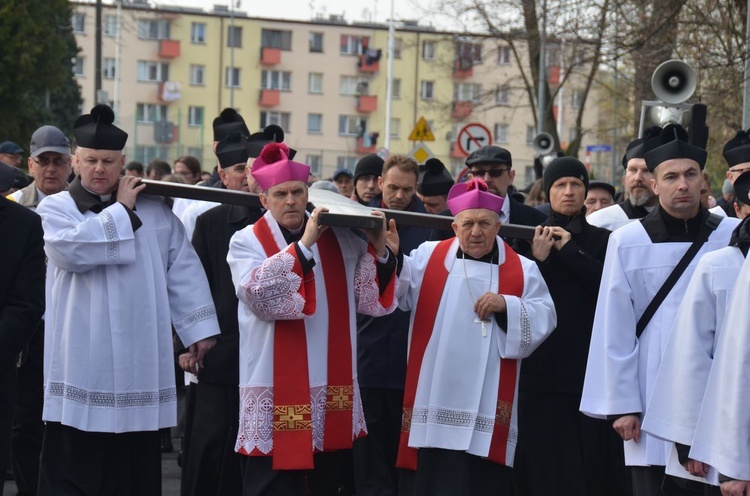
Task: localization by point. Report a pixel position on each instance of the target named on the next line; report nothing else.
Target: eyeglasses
(46, 161)
(492, 172)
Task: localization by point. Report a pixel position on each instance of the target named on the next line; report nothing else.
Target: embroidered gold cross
(291, 417)
(339, 397)
(504, 410)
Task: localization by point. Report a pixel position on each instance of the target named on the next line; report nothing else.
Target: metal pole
(746, 102)
(614, 110)
(117, 60)
(540, 103)
(98, 52)
(231, 51)
(389, 87)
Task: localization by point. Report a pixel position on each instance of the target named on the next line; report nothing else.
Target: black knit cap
(742, 188)
(369, 165)
(737, 149)
(564, 167)
(229, 121)
(96, 131)
(635, 147)
(435, 180)
(490, 155)
(670, 144)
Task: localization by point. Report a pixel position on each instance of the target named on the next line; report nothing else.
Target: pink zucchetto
(473, 194)
(273, 167)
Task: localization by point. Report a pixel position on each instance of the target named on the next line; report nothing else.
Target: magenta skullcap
(473, 194)
(273, 167)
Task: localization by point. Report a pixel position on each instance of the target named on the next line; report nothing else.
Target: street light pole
(389, 86)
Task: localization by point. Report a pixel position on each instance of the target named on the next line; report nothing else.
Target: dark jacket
(382, 341)
(21, 302)
(213, 231)
(572, 275)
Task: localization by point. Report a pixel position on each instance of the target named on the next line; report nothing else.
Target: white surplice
(612, 218)
(722, 433)
(456, 398)
(621, 368)
(681, 381)
(113, 296)
(267, 290)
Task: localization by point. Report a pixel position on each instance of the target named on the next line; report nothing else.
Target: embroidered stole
(292, 411)
(510, 282)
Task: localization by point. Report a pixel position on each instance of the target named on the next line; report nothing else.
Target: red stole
(292, 412)
(510, 282)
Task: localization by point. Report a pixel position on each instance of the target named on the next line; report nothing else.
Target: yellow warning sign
(421, 131)
(421, 153)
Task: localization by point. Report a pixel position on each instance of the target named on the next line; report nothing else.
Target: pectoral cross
(484, 329)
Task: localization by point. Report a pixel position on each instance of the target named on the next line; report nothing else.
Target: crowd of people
(607, 354)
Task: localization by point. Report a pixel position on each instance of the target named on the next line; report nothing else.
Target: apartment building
(169, 71)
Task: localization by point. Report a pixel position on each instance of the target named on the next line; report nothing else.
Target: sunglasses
(492, 172)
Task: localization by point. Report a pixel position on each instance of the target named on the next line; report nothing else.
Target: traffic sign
(421, 131)
(599, 148)
(421, 153)
(472, 137)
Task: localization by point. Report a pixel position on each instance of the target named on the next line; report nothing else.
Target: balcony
(461, 110)
(270, 56)
(463, 69)
(367, 104)
(367, 144)
(269, 98)
(368, 63)
(169, 49)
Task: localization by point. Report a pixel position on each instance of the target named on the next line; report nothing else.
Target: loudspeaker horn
(543, 143)
(673, 82)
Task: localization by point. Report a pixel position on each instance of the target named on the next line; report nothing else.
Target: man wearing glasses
(49, 164)
(494, 165)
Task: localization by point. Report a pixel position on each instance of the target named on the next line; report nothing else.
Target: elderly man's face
(12, 159)
(234, 177)
(476, 230)
(286, 202)
(50, 171)
(597, 199)
(99, 169)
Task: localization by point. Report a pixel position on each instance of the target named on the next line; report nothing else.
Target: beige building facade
(170, 71)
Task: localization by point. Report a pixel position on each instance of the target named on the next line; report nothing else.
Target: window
(196, 151)
(109, 68)
(353, 85)
(396, 89)
(110, 25)
(78, 66)
(503, 55)
(427, 90)
(153, 29)
(353, 45)
(468, 54)
(147, 113)
(316, 164)
(281, 119)
(397, 48)
(146, 154)
(428, 50)
(233, 78)
(314, 123)
(276, 80)
(502, 95)
(346, 162)
(467, 92)
(234, 36)
(316, 42)
(315, 82)
(530, 134)
(577, 98)
(274, 38)
(197, 75)
(195, 116)
(501, 133)
(79, 22)
(352, 125)
(198, 32)
(395, 127)
(152, 71)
